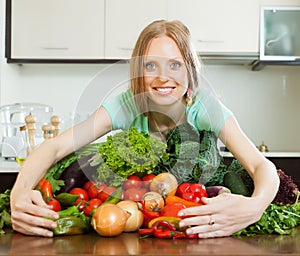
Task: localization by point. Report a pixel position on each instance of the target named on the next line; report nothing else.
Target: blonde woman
(164, 92)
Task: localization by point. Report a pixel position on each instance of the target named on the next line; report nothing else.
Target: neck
(163, 119)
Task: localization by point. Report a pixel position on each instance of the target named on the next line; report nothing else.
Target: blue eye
(150, 66)
(175, 65)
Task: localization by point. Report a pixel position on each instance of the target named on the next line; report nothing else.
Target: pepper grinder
(56, 121)
(48, 130)
(31, 128)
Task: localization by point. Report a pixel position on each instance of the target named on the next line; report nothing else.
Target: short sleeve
(124, 113)
(208, 112)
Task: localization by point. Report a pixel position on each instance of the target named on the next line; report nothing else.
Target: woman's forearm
(266, 182)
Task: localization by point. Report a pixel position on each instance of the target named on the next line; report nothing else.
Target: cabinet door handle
(55, 48)
(215, 41)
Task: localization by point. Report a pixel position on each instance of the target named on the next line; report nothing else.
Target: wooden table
(130, 244)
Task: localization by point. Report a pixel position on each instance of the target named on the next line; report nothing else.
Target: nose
(163, 74)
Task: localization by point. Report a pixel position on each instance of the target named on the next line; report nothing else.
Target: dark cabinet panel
(290, 165)
(7, 180)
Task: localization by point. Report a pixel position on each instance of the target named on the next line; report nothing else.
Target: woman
(164, 73)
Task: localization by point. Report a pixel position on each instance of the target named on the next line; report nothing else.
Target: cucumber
(235, 183)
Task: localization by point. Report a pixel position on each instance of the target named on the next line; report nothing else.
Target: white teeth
(165, 90)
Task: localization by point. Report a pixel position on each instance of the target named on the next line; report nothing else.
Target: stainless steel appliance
(12, 117)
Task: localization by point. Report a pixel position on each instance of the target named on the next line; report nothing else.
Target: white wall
(266, 103)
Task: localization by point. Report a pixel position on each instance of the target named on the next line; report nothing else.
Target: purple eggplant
(78, 173)
(213, 191)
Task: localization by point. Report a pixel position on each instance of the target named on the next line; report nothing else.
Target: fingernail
(180, 214)
(189, 232)
(181, 224)
(49, 234)
(53, 225)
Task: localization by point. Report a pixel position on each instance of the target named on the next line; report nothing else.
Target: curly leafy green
(126, 153)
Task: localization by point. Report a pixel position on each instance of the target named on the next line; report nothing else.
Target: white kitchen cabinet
(280, 2)
(57, 29)
(124, 21)
(229, 26)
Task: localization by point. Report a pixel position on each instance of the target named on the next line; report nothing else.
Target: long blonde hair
(177, 31)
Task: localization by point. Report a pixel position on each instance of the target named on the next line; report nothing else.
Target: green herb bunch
(5, 221)
(276, 219)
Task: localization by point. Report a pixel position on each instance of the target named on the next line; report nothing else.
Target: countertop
(11, 166)
(130, 244)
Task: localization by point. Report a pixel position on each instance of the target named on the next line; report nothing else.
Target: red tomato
(134, 194)
(172, 209)
(81, 193)
(88, 184)
(147, 180)
(91, 205)
(93, 191)
(100, 188)
(54, 204)
(105, 193)
(133, 181)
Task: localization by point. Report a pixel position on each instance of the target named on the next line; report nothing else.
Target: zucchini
(235, 183)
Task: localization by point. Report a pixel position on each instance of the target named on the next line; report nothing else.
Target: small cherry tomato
(83, 194)
(93, 191)
(91, 205)
(147, 180)
(105, 193)
(88, 184)
(100, 189)
(133, 181)
(134, 194)
(54, 204)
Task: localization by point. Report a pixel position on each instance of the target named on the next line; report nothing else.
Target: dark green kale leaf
(193, 155)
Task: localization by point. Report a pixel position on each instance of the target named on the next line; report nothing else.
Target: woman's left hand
(221, 216)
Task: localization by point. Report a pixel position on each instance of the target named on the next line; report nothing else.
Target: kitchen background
(265, 102)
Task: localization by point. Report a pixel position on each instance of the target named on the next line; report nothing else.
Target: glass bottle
(22, 154)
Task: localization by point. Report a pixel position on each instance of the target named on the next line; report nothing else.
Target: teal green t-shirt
(206, 112)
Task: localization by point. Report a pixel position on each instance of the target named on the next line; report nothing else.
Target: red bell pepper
(192, 192)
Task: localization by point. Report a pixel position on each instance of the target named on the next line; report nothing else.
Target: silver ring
(211, 221)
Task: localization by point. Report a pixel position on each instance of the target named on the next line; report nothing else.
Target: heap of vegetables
(143, 183)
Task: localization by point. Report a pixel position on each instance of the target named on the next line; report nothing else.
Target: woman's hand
(221, 216)
(29, 213)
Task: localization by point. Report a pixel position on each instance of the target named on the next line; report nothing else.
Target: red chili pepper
(145, 231)
(150, 215)
(165, 233)
(45, 188)
(163, 225)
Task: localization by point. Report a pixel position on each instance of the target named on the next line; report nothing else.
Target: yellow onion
(165, 184)
(136, 218)
(154, 201)
(109, 220)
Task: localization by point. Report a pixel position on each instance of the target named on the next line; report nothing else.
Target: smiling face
(165, 73)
